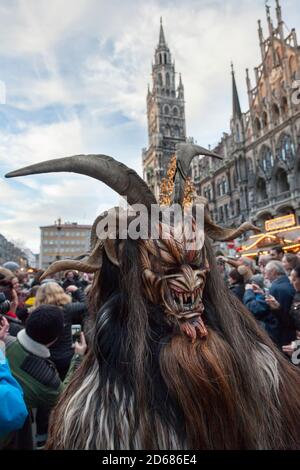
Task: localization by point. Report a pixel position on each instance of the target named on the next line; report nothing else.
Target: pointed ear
(111, 252)
(222, 234)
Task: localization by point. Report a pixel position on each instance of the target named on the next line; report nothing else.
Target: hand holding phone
(81, 346)
(76, 330)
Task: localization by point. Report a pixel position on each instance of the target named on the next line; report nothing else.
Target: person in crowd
(84, 281)
(30, 300)
(280, 299)
(277, 253)
(73, 307)
(14, 324)
(13, 410)
(13, 267)
(52, 293)
(23, 279)
(295, 311)
(245, 271)
(69, 280)
(29, 357)
(10, 294)
(290, 261)
(254, 300)
(262, 262)
(36, 278)
(236, 284)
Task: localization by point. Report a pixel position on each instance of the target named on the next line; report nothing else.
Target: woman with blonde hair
(52, 293)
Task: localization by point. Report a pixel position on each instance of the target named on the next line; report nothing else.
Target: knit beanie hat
(45, 324)
(12, 266)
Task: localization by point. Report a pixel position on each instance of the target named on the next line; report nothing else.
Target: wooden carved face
(174, 277)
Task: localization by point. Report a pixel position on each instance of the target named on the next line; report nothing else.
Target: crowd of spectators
(41, 345)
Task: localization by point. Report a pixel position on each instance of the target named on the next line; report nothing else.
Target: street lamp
(58, 228)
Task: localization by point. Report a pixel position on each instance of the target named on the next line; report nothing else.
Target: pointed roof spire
(180, 82)
(278, 12)
(269, 19)
(236, 107)
(162, 41)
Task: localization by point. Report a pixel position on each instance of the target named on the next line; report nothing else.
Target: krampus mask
(175, 361)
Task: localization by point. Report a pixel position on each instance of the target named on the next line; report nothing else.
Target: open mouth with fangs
(186, 304)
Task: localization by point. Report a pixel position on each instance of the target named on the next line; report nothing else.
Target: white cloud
(91, 61)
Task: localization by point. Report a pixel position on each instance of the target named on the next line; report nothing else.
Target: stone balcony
(270, 203)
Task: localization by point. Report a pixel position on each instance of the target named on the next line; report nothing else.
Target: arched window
(287, 148)
(209, 193)
(159, 79)
(282, 184)
(167, 79)
(165, 57)
(284, 105)
(276, 112)
(233, 179)
(238, 134)
(167, 131)
(261, 190)
(267, 159)
(176, 132)
(175, 111)
(278, 55)
(166, 109)
(250, 166)
(293, 67)
(257, 126)
(265, 119)
(219, 188)
(224, 185)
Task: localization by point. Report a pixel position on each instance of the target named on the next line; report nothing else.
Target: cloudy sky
(75, 74)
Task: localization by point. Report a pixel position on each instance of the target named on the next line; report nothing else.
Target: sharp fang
(181, 300)
(193, 297)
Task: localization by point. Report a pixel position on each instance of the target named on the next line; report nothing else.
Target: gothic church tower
(166, 115)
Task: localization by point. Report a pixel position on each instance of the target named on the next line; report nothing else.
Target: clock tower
(166, 115)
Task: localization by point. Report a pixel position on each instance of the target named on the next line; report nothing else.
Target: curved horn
(64, 265)
(184, 156)
(103, 168)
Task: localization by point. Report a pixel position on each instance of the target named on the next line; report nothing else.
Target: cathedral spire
(236, 107)
(162, 41)
(278, 12)
(180, 89)
(269, 20)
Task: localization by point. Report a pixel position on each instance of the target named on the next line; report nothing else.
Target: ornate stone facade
(166, 115)
(259, 177)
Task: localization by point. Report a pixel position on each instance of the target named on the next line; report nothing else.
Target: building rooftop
(68, 225)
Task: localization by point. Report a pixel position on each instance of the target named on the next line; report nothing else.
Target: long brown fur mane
(233, 390)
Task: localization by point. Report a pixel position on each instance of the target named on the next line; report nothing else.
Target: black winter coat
(62, 350)
(238, 290)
